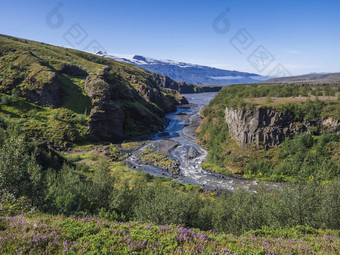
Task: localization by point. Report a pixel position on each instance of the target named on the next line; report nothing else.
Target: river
(179, 135)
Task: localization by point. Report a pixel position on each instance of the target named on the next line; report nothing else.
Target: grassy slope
(22, 61)
(35, 234)
(226, 156)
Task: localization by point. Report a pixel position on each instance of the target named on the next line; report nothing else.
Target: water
(181, 129)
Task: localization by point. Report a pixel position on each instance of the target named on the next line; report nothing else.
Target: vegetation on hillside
(36, 78)
(33, 179)
(60, 126)
(307, 156)
(41, 184)
(87, 235)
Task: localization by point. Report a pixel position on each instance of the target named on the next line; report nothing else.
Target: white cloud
(293, 51)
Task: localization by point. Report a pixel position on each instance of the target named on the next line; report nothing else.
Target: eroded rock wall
(259, 126)
(263, 126)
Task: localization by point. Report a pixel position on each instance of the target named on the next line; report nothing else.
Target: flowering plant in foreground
(45, 234)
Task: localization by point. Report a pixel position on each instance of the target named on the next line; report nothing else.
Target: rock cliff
(259, 126)
(263, 126)
(106, 117)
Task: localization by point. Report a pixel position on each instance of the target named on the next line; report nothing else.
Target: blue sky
(303, 36)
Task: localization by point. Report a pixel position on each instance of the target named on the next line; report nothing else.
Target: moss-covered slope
(112, 100)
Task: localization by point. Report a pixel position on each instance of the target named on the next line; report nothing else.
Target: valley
(99, 156)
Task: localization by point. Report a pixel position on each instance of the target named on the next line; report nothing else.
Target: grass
(130, 145)
(20, 108)
(75, 97)
(61, 126)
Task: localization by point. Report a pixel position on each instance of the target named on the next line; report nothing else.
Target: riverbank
(179, 144)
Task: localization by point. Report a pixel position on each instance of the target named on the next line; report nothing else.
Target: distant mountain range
(189, 73)
(313, 77)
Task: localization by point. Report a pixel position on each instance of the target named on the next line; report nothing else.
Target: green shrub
(67, 193)
(5, 100)
(20, 174)
(14, 95)
(11, 205)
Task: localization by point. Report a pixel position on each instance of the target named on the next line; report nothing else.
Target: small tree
(103, 183)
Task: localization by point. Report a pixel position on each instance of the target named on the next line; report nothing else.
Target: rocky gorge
(179, 142)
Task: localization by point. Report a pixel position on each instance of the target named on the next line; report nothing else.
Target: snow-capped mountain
(189, 73)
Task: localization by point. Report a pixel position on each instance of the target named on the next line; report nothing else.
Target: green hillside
(50, 89)
(88, 235)
(310, 152)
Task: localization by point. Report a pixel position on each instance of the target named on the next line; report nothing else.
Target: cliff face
(266, 127)
(259, 126)
(106, 117)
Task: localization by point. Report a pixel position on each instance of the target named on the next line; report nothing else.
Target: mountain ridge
(187, 72)
(311, 77)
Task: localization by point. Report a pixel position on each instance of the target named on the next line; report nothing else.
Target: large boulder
(193, 153)
(165, 146)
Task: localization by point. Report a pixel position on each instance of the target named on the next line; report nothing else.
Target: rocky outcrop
(154, 95)
(114, 106)
(71, 70)
(106, 117)
(98, 89)
(260, 126)
(46, 92)
(106, 122)
(165, 98)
